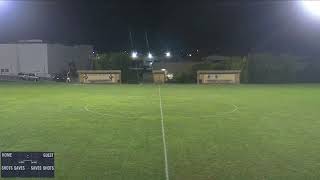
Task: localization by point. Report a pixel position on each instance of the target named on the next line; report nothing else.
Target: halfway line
(163, 137)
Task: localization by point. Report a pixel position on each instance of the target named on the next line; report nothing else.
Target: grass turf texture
(114, 132)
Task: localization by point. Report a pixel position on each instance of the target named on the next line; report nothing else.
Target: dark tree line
(268, 68)
(255, 68)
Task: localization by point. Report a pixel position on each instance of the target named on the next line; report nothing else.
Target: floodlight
(168, 54)
(150, 56)
(3, 5)
(170, 76)
(2, 2)
(312, 6)
(134, 54)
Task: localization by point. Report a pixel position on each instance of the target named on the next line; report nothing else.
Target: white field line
(236, 108)
(88, 110)
(163, 137)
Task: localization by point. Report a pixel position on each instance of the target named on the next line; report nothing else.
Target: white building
(41, 58)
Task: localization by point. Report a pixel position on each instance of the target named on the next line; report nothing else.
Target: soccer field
(211, 132)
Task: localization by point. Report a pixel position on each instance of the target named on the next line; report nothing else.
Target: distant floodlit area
(313, 6)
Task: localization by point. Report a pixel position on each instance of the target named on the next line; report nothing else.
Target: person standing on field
(68, 77)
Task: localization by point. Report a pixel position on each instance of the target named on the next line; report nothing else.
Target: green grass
(212, 132)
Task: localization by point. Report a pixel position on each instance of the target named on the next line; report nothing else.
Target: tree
(113, 61)
(268, 68)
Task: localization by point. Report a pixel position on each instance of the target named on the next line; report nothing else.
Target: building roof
(219, 71)
(158, 72)
(31, 41)
(39, 41)
(216, 58)
(99, 71)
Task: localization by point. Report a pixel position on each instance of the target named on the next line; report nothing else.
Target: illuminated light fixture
(170, 76)
(313, 6)
(163, 69)
(189, 55)
(2, 2)
(134, 55)
(168, 54)
(150, 56)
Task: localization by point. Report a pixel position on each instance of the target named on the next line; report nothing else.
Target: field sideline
(211, 132)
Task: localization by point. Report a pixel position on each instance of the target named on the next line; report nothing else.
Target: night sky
(226, 27)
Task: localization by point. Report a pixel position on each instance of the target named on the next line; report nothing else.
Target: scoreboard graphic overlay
(27, 164)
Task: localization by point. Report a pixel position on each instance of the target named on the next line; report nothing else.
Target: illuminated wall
(43, 59)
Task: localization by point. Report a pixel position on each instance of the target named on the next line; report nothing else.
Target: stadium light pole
(134, 55)
(3, 3)
(313, 6)
(168, 54)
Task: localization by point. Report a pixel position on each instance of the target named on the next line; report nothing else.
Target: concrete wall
(8, 58)
(103, 77)
(59, 56)
(219, 78)
(28, 58)
(159, 78)
(33, 58)
(43, 59)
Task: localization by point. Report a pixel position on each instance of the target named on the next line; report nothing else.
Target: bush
(232, 63)
(267, 68)
(113, 61)
(184, 78)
